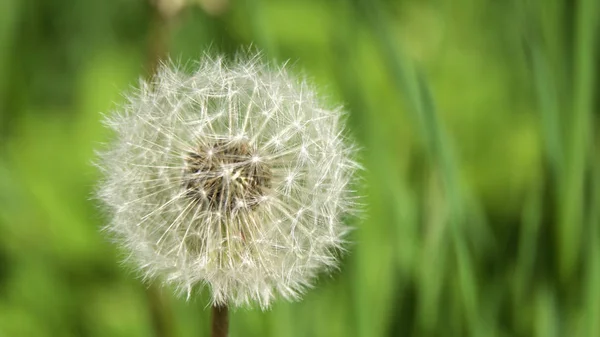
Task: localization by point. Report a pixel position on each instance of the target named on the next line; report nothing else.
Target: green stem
(158, 36)
(574, 185)
(159, 313)
(161, 23)
(220, 321)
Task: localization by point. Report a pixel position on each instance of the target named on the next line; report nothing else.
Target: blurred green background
(478, 122)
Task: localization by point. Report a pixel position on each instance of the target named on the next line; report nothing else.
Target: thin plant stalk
(220, 321)
(573, 189)
(160, 312)
(162, 20)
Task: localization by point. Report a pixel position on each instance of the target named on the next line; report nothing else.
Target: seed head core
(226, 176)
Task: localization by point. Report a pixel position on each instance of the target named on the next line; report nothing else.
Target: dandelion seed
(234, 177)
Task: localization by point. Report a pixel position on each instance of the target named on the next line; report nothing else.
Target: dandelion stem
(163, 14)
(160, 313)
(220, 321)
(160, 310)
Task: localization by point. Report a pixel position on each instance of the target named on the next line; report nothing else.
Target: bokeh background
(478, 121)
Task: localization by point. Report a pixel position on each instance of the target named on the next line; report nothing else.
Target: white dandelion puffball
(234, 177)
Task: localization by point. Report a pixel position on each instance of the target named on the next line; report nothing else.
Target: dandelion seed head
(234, 177)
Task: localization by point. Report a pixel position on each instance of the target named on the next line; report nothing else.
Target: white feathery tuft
(235, 177)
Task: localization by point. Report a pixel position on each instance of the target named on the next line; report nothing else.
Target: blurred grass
(478, 121)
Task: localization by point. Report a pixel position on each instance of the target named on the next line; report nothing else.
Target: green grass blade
(571, 212)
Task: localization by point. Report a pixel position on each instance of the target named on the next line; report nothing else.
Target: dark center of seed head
(226, 176)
